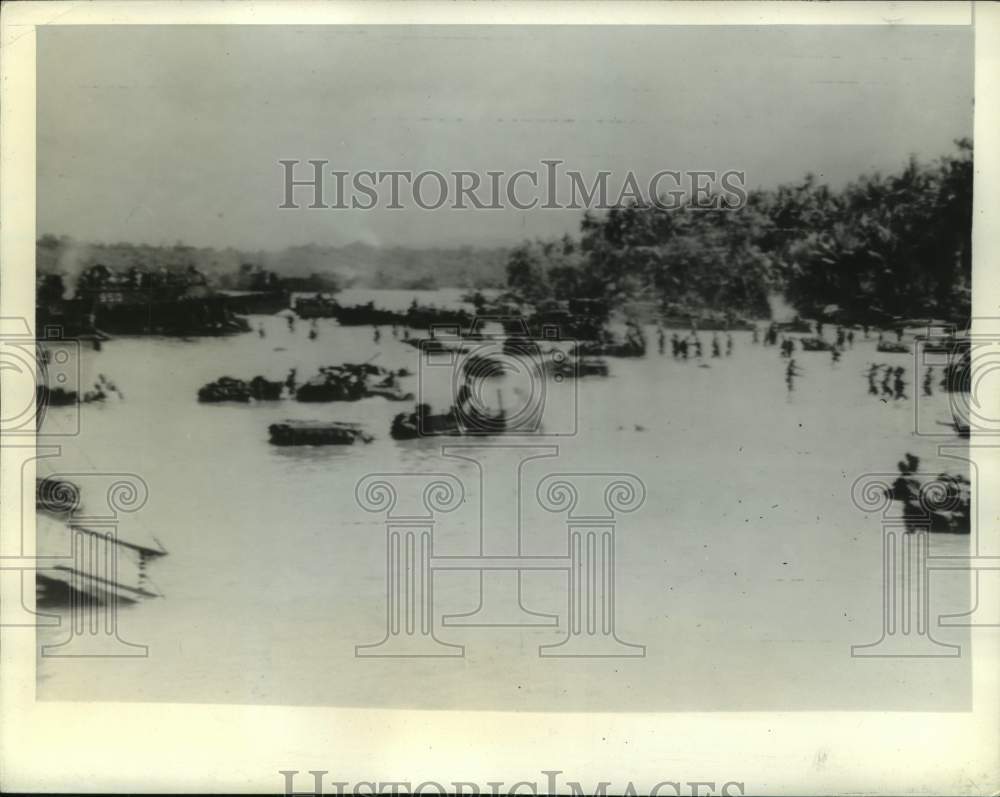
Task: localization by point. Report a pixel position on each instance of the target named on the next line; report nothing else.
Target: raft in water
(352, 382)
(317, 433)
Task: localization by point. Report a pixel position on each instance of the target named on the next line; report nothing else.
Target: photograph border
(140, 747)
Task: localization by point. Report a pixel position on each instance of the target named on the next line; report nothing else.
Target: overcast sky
(167, 134)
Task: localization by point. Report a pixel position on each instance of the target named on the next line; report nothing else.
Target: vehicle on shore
(634, 345)
(257, 302)
(893, 347)
(799, 325)
(319, 306)
(815, 344)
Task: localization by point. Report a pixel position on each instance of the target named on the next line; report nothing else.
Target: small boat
(265, 390)
(225, 389)
(317, 433)
(421, 423)
(331, 387)
(893, 347)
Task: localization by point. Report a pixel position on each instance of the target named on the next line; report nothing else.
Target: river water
(748, 573)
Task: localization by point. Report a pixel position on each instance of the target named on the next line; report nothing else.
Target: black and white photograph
(571, 369)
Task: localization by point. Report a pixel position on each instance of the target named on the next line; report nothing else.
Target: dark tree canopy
(883, 246)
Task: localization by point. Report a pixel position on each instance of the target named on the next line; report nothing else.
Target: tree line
(882, 247)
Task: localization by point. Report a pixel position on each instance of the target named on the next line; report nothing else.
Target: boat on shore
(317, 433)
(256, 302)
(416, 316)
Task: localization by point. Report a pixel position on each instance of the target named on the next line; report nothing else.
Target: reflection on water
(747, 564)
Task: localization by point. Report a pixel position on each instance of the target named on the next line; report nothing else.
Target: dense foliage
(881, 247)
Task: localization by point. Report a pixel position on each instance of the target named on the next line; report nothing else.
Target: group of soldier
(690, 344)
